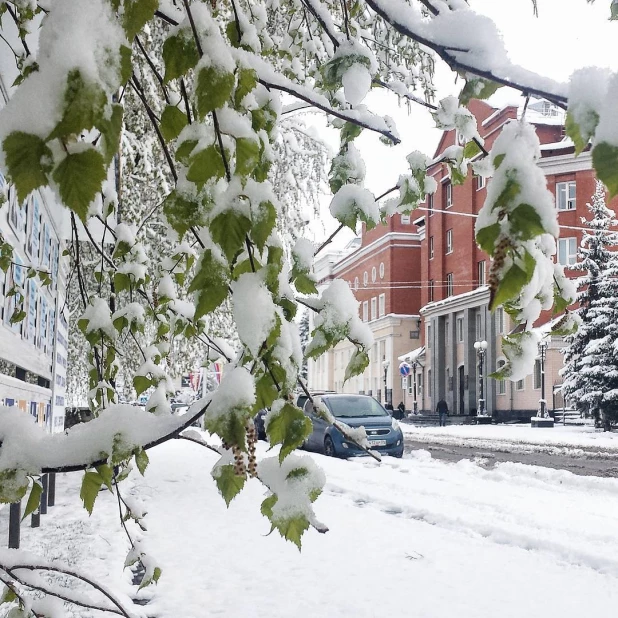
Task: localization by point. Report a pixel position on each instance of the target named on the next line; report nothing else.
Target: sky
(568, 34)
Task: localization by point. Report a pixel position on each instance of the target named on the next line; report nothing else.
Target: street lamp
(414, 364)
(385, 364)
(481, 350)
(543, 412)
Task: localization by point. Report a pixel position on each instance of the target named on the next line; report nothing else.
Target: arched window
(356, 283)
(381, 270)
(374, 275)
(365, 278)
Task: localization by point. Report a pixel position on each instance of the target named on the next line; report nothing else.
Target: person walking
(402, 410)
(442, 410)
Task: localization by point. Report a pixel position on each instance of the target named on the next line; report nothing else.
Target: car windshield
(352, 406)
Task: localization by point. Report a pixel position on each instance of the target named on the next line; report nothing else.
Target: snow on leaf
(179, 54)
(210, 284)
(213, 89)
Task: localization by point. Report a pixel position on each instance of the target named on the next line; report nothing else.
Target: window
(374, 308)
(365, 278)
(446, 331)
(381, 305)
(430, 203)
(374, 274)
(431, 247)
(520, 385)
(499, 321)
(460, 330)
(405, 219)
(447, 195)
(365, 311)
(565, 195)
(429, 382)
(501, 383)
(567, 251)
(479, 326)
(481, 272)
(381, 270)
(449, 241)
(537, 374)
(356, 283)
(428, 335)
(480, 182)
(449, 284)
(431, 290)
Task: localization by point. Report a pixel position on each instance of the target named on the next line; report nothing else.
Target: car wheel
(329, 447)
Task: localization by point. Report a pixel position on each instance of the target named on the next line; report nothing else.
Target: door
(462, 379)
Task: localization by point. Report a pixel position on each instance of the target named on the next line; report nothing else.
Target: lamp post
(385, 364)
(543, 413)
(481, 350)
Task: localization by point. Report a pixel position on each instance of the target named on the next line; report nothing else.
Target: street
(584, 461)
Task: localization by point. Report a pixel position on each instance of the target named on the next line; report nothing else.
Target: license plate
(377, 443)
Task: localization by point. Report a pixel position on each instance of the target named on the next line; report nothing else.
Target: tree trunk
(607, 425)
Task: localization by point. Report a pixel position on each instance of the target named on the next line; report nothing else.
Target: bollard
(35, 520)
(44, 495)
(14, 525)
(51, 489)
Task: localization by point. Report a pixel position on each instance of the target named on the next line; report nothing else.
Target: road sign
(404, 370)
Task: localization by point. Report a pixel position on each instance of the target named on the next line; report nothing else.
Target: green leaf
(8, 596)
(206, 164)
(498, 160)
(136, 14)
(304, 283)
(173, 121)
(525, 222)
(107, 474)
(230, 427)
(185, 149)
(179, 54)
(141, 384)
(84, 105)
(231, 30)
(477, 88)
(28, 162)
(605, 162)
(263, 224)
(228, 230)
(289, 427)
(613, 11)
(91, 485)
(486, 237)
(247, 81)
(247, 155)
(350, 132)
(110, 131)
(141, 460)
(13, 485)
(358, 363)
(210, 285)
(266, 392)
(126, 63)
(34, 499)
(79, 178)
(509, 193)
(471, 150)
(213, 89)
(228, 483)
(183, 214)
(510, 285)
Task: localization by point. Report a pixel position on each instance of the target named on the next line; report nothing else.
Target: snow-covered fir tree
(591, 356)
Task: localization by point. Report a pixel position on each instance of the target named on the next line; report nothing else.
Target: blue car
(383, 431)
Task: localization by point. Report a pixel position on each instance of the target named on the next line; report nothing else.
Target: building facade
(33, 351)
(440, 278)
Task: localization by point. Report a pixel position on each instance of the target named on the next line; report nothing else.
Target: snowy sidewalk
(564, 440)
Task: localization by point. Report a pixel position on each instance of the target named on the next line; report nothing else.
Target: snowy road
(411, 537)
(587, 462)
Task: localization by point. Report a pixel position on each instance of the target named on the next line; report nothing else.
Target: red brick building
(430, 267)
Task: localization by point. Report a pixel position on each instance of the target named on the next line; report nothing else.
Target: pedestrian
(389, 407)
(442, 410)
(402, 410)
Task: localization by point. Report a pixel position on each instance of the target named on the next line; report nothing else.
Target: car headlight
(395, 424)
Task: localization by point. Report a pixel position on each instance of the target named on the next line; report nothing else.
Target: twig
(328, 240)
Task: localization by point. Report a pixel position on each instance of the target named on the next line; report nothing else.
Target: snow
(352, 199)
(411, 533)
